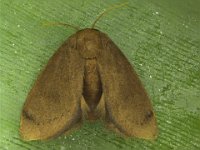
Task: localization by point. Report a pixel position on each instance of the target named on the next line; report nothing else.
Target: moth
(88, 70)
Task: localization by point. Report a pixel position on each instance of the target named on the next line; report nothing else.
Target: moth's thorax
(89, 43)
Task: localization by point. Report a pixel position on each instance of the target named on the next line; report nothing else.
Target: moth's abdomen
(92, 88)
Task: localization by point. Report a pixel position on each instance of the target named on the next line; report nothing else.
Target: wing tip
(145, 131)
(28, 131)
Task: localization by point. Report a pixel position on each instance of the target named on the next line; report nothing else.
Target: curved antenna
(108, 10)
(61, 24)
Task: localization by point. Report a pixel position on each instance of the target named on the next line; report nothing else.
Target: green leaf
(160, 38)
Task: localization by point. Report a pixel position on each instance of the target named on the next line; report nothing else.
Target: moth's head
(89, 42)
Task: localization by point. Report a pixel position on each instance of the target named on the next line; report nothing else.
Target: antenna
(108, 10)
(60, 24)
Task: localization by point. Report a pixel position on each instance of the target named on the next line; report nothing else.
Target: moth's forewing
(127, 103)
(53, 104)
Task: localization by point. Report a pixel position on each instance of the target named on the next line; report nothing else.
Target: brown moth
(87, 67)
